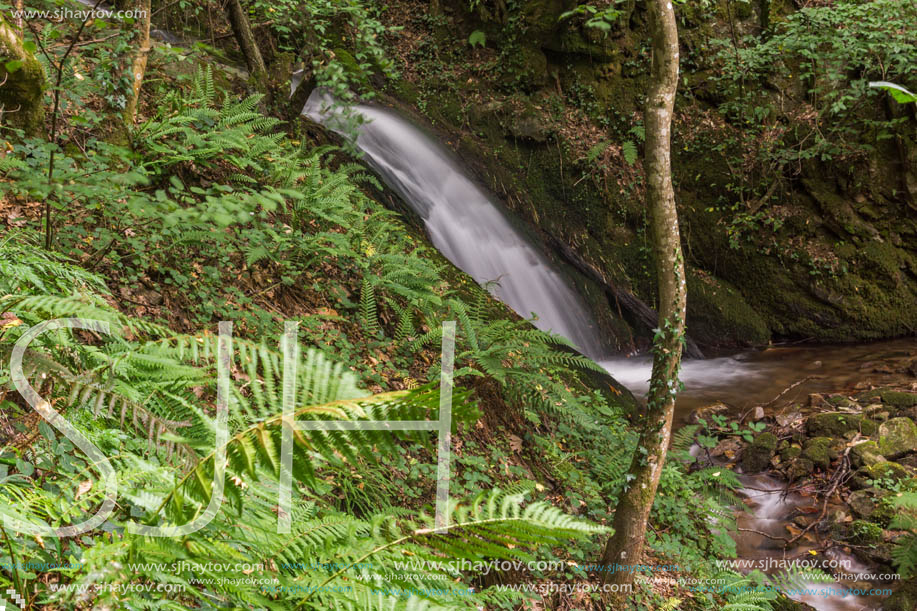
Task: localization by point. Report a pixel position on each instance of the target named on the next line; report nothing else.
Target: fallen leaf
(83, 488)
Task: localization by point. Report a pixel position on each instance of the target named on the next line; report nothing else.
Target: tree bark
(21, 91)
(243, 32)
(625, 547)
(138, 64)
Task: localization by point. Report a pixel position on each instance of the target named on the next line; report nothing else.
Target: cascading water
(464, 223)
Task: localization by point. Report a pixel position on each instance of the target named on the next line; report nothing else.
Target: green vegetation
(219, 204)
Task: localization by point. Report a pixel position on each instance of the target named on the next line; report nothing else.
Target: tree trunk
(243, 32)
(21, 99)
(138, 64)
(625, 547)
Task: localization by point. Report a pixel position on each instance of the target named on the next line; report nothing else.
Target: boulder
(821, 451)
(839, 424)
(897, 437)
(885, 471)
(757, 456)
(865, 454)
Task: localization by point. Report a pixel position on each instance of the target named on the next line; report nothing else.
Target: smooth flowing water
(467, 225)
(464, 222)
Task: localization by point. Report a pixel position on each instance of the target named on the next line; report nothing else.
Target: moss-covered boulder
(821, 451)
(887, 472)
(865, 454)
(899, 399)
(23, 83)
(864, 532)
(757, 456)
(798, 468)
(839, 424)
(897, 437)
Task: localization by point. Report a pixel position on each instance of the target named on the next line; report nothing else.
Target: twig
(835, 481)
(53, 138)
(791, 387)
(758, 532)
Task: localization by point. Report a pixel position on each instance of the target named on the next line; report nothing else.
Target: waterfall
(464, 222)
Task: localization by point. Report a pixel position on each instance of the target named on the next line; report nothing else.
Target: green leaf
(629, 150)
(13, 65)
(24, 467)
(901, 95)
(477, 38)
(29, 46)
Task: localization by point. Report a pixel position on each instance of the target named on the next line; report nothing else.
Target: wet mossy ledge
(841, 266)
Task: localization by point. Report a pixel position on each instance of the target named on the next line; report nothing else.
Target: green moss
(898, 399)
(865, 454)
(884, 472)
(719, 315)
(864, 532)
(821, 451)
(22, 88)
(897, 437)
(838, 424)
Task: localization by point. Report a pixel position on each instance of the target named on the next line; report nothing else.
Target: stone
(897, 437)
(704, 413)
(880, 471)
(791, 452)
(837, 424)
(865, 454)
(821, 451)
(799, 468)
(899, 399)
(757, 456)
(862, 503)
(864, 532)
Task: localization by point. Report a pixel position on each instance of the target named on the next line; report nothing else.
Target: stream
(472, 230)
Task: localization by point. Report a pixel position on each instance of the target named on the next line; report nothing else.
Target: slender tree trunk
(630, 522)
(138, 64)
(243, 32)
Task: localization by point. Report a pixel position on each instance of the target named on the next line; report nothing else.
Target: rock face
(757, 456)
(897, 437)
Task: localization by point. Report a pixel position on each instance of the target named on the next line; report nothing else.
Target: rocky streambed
(828, 477)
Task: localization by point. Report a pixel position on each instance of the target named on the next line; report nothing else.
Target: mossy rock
(864, 532)
(839, 424)
(885, 471)
(790, 452)
(821, 451)
(718, 314)
(865, 454)
(897, 437)
(799, 468)
(757, 456)
(898, 399)
(871, 504)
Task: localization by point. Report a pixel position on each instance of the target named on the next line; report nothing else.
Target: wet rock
(816, 400)
(757, 456)
(841, 401)
(865, 454)
(897, 437)
(727, 447)
(782, 603)
(838, 424)
(885, 471)
(821, 451)
(877, 412)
